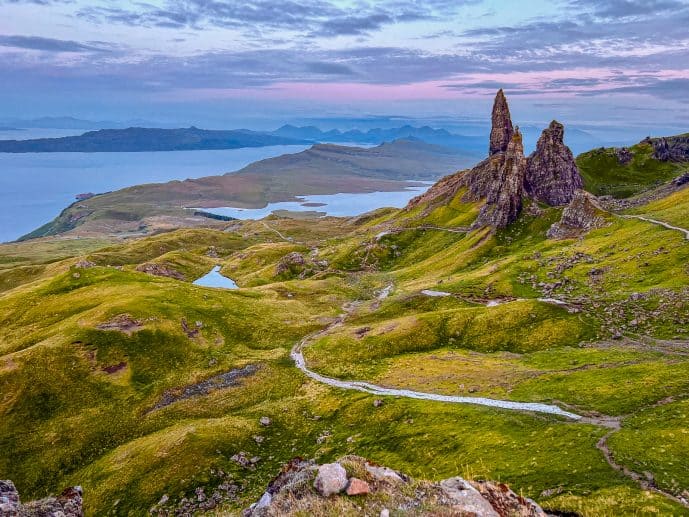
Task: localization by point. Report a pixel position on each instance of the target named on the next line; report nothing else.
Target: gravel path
(298, 357)
(660, 223)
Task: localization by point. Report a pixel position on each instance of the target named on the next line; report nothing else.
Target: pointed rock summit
(552, 176)
(501, 131)
(549, 175)
(504, 199)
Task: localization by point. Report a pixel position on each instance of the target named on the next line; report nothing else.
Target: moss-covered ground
(81, 404)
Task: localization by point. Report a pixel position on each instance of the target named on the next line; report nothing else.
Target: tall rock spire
(504, 199)
(552, 176)
(501, 131)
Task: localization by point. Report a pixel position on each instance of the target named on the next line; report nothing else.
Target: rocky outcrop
(671, 148)
(549, 175)
(375, 490)
(581, 215)
(295, 264)
(160, 270)
(501, 129)
(505, 193)
(552, 176)
(217, 382)
(624, 155)
(67, 504)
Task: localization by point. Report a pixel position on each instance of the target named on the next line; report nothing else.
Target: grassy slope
(66, 420)
(604, 175)
(670, 209)
(323, 169)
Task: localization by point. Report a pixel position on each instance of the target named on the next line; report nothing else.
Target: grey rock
(331, 479)
(552, 176)
(463, 495)
(504, 199)
(501, 130)
(68, 504)
(583, 213)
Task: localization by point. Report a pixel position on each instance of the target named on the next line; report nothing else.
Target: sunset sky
(259, 61)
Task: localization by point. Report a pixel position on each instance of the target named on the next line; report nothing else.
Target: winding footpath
(298, 357)
(659, 223)
(614, 424)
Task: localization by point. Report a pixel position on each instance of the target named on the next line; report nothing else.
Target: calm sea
(35, 187)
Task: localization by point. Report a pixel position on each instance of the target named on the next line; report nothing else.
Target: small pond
(215, 279)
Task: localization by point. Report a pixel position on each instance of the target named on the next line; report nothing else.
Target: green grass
(671, 209)
(65, 420)
(656, 440)
(603, 173)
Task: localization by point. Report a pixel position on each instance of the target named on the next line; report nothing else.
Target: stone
(624, 155)
(682, 180)
(504, 199)
(84, 264)
(331, 479)
(552, 176)
(290, 493)
(68, 504)
(290, 261)
(160, 270)
(583, 213)
(357, 486)
(464, 496)
(377, 403)
(505, 502)
(265, 421)
(670, 149)
(501, 129)
(383, 473)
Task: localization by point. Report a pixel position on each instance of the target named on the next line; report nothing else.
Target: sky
(258, 63)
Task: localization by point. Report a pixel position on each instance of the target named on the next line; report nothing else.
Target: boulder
(292, 493)
(552, 176)
(331, 479)
(357, 486)
(583, 213)
(160, 270)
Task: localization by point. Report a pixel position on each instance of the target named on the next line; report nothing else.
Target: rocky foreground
(355, 486)
(67, 504)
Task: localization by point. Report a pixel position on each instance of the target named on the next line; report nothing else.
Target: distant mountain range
(137, 139)
(145, 139)
(376, 136)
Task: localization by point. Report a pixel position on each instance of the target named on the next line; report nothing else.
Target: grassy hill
(105, 370)
(322, 169)
(606, 173)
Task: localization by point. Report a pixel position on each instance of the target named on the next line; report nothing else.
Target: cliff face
(549, 175)
(505, 193)
(552, 176)
(501, 129)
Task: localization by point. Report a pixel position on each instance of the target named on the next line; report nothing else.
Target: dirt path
(278, 232)
(659, 223)
(391, 231)
(646, 481)
(298, 357)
